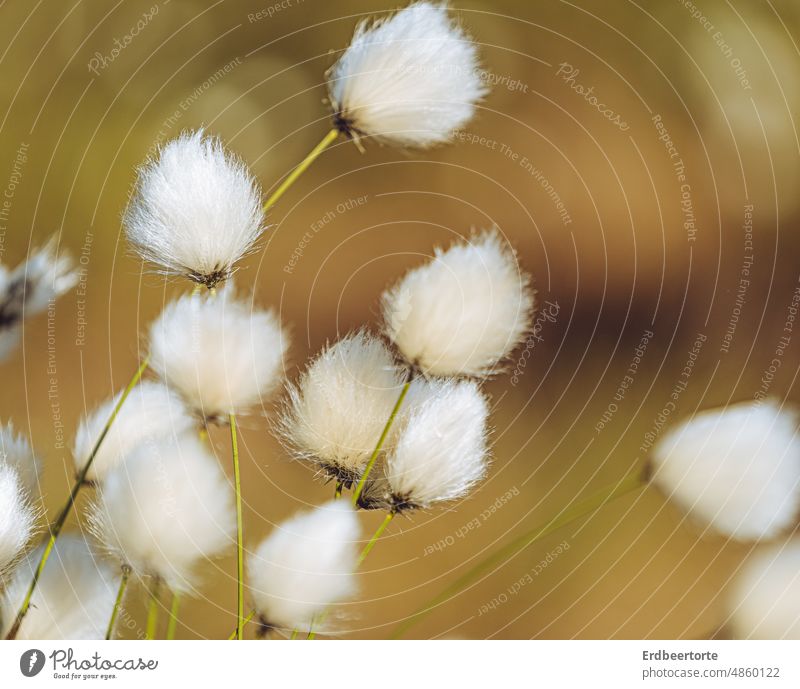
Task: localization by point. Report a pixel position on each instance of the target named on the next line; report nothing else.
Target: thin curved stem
(152, 611)
(123, 583)
(291, 178)
(378, 533)
(566, 516)
(389, 423)
(173, 616)
(80, 481)
(239, 532)
(247, 618)
(338, 492)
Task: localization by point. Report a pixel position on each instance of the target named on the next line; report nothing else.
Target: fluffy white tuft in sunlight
(196, 209)
(164, 508)
(409, 79)
(221, 354)
(73, 599)
(16, 451)
(335, 413)
(736, 469)
(441, 450)
(304, 566)
(151, 411)
(764, 598)
(17, 517)
(464, 311)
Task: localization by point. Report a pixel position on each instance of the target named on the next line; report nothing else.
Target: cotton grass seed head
(73, 599)
(464, 311)
(196, 209)
(335, 413)
(17, 516)
(736, 469)
(165, 508)
(151, 411)
(222, 354)
(306, 565)
(16, 452)
(409, 79)
(441, 450)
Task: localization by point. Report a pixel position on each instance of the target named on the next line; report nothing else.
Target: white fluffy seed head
(463, 312)
(164, 508)
(16, 452)
(196, 209)
(221, 354)
(764, 598)
(408, 80)
(441, 449)
(151, 411)
(736, 469)
(335, 414)
(73, 599)
(17, 516)
(306, 565)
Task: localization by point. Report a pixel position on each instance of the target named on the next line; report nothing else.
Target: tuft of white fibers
(736, 469)
(409, 79)
(196, 209)
(441, 450)
(221, 354)
(73, 599)
(17, 516)
(304, 566)
(464, 311)
(16, 451)
(164, 508)
(764, 598)
(151, 411)
(336, 412)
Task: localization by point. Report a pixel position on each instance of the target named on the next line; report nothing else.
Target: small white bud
(16, 451)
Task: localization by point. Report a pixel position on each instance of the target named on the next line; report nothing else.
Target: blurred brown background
(616, 257)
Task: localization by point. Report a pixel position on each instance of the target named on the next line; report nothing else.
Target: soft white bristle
(17, 516)
(335, 414)
(764, 599)
(73, 599)
(16, 451)
(736, 469)
(306, 565)
(151, 411)
(196, 209)
(164, 508)
(221, 354)
(409, 79)
(462, 312)
(441, 449)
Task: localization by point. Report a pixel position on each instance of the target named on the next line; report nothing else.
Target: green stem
(239, 532)
(247, 618)
(329, 138)
(123, 583)
(363, 480)
(566, 516)
(152, 612)
(80, 481)
(378, 533)
(294, 635)
(173, 616)
(338, 492)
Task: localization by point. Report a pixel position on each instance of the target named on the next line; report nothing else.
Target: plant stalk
(123, 583)
(152, 611)
(239, 532)
(172, 626)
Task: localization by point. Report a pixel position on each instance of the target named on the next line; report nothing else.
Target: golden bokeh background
(619, 246)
